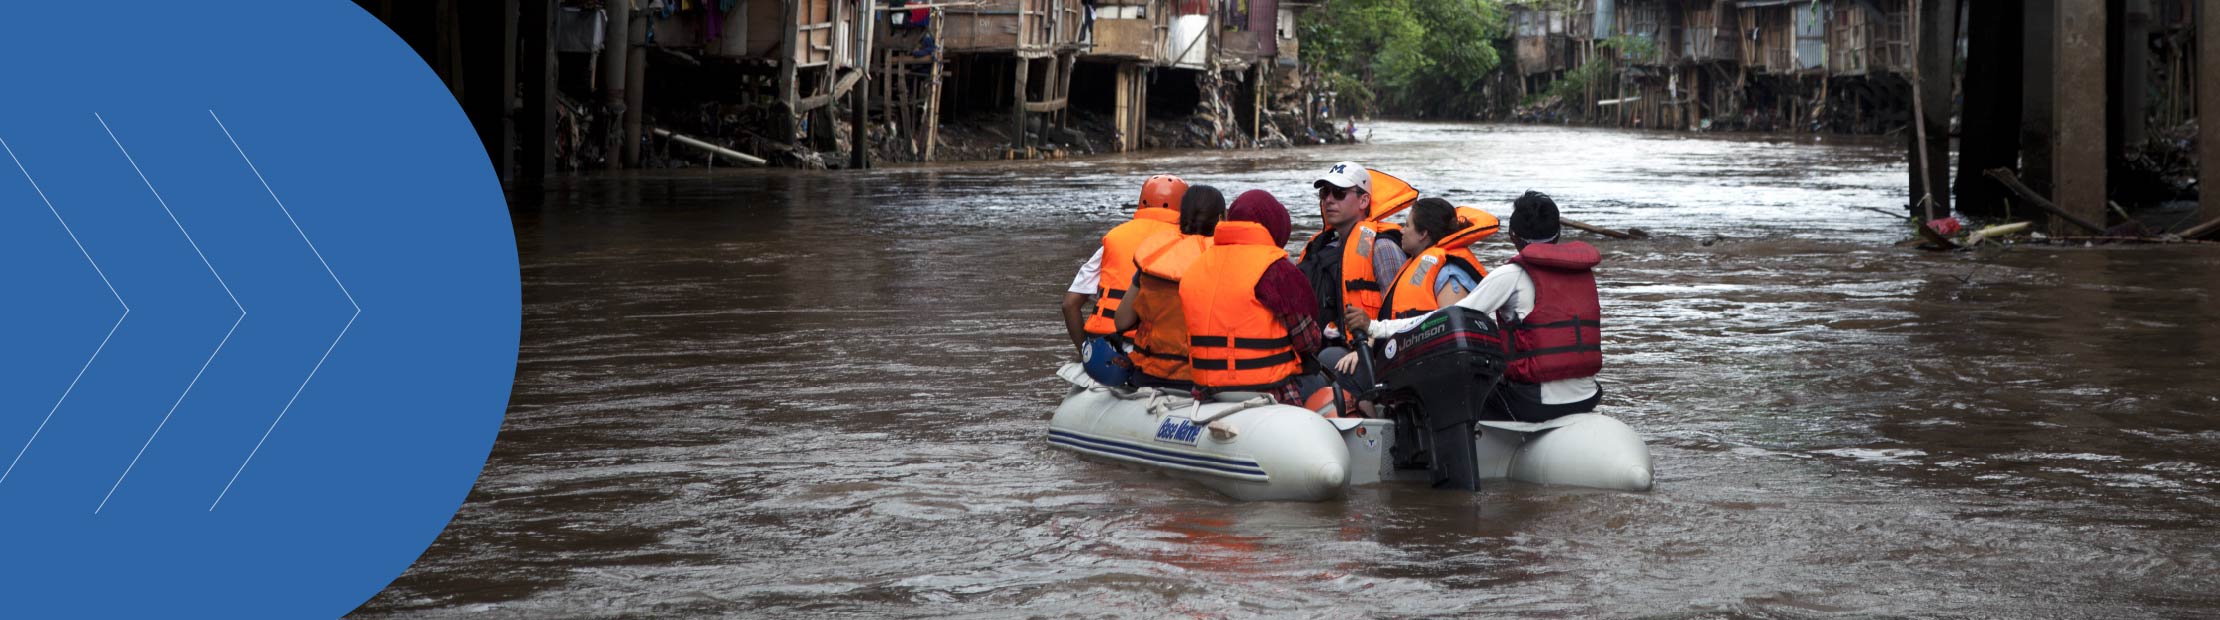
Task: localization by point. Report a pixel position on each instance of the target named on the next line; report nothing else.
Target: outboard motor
(1437, 377)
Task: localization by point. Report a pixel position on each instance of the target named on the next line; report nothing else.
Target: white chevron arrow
(327, 350)
(211, 355)
(103, 341)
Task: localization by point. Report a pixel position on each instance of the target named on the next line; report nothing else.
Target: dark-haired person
(1104, 276)
(1151, 310)
(1546, 301)
(1248, 310)
(1442, 269)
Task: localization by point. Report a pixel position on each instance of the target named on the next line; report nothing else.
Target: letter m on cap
(1340, 168)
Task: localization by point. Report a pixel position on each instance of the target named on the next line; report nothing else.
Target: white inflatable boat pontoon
(1252, 448)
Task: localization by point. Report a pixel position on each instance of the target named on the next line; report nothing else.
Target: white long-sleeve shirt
(1506, 287)
(1089, 277)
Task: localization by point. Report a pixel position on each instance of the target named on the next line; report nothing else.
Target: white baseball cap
(1346, 174)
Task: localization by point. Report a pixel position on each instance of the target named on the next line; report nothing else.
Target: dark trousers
(1522, 402)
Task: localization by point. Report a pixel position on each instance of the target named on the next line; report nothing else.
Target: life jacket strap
(1555, 350)
(1244, 364)
(1267, 344)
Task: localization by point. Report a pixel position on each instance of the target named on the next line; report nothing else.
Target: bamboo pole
(1919, 122)
(1599, 229)
(2012, 182)
(2202, 229)
(711, 148)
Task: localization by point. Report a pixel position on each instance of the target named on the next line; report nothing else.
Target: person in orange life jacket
(1151, 310)
(1437, 235)
(1546, 300)
(1439, 238)
(1102, 277)
(1345, 273)
(1248, 310)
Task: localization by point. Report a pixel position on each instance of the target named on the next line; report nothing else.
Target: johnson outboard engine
(1436, 378)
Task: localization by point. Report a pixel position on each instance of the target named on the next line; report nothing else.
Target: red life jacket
(1563, 337)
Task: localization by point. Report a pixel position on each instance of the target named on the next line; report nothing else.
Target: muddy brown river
(751, 394)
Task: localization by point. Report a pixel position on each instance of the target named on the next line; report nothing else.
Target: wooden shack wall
(1773, 51)
(1125, 38)
(990, 26)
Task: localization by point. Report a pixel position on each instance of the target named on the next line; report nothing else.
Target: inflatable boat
(1250, 447)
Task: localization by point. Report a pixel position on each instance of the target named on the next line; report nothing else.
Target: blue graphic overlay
(259, 310)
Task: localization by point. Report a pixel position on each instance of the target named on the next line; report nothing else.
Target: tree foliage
(1420, 57)
(1599, 70)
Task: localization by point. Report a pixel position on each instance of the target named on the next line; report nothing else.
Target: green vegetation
(1598, 70)
(1415, 57)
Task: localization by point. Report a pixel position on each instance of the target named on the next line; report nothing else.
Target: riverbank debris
(711, 148)
(1998, 231)
(1630, 233)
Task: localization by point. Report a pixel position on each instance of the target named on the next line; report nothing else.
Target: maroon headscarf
(1259, 206)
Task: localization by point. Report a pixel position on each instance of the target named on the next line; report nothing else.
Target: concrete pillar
(1938, 52)
(615, 60)
(635, 92)
(2208, 109)
(859, 136)
(2078, 157)
(1990, 131)
(2130, 73)
(536, 125)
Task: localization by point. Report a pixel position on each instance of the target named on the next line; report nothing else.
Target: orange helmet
(1162, 192)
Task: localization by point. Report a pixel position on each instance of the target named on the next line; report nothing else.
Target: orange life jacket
(1118, 246)
(1160, 341)
(1412, 293)
(1359, 287)
(1233, 341)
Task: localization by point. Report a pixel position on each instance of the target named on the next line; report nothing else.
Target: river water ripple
(815, 395)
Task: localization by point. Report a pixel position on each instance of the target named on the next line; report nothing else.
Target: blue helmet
(1105, 363)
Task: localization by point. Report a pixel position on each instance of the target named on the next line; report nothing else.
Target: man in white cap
(1345, 274)
(1346, 204)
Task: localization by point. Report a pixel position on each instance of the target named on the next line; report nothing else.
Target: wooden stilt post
(1257, 92)
(2206, 80)
(489, 77)
(537, 122)
(786, 116)
(932, 96)
(859, 136)
(1017, 107)
(1122, 114)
